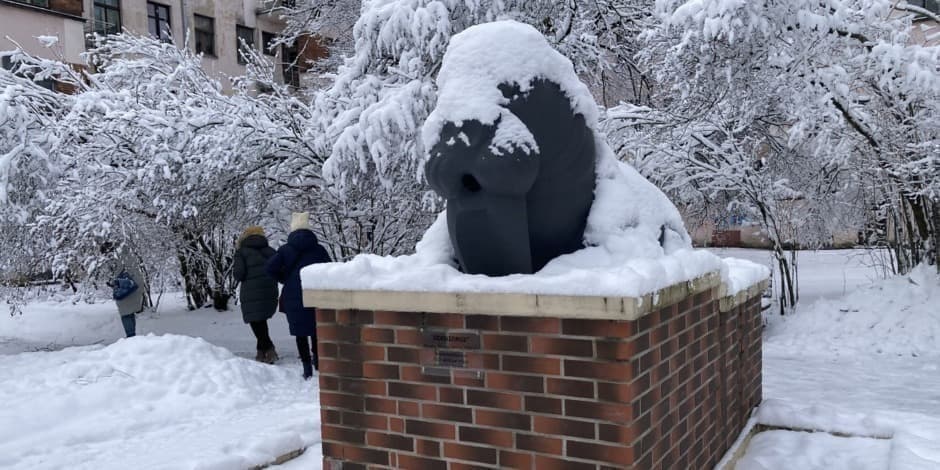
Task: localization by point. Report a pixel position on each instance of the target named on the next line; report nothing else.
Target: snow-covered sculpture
(512, 149)
(514, 204)
(633, 241)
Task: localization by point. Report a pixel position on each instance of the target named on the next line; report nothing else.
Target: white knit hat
(299, 220)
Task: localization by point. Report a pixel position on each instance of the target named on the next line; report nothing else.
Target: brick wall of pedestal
(670, 390)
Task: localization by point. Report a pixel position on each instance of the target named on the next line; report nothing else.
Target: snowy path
(823, 273)
(897, 398)
(806, 451)
(48, 326)
(867, 364)
(907, 385)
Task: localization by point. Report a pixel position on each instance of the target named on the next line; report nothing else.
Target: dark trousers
(260, 329)
(305, 348)
(130, 324)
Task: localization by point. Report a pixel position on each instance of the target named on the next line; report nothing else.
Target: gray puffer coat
(258, 293)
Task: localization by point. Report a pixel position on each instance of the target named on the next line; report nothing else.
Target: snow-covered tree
(324, 24)
(788, 108)
(147, 153)
(361, 151)
(367, 121)
(28, 114)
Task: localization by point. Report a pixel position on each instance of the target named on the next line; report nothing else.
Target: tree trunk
(195, 281)
(935, 232)
(913, 241)
(216, 248)
(220, 300)
(901, 243)
(796, 275)
(788, 288)
(70, 282)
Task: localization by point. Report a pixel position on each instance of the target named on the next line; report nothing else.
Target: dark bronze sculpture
(516, 211)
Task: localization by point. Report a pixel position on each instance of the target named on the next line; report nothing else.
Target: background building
(25, 20)
(214, 28)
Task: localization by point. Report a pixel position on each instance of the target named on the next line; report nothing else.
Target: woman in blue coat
(302, 249)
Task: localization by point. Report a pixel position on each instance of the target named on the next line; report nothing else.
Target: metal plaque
(445, 354)
(450, 339)
(450, 359)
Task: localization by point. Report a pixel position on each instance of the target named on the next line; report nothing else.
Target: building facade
(214, 28)
(25, 20)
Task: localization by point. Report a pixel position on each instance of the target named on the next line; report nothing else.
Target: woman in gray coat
(258, 292)
(129, 306)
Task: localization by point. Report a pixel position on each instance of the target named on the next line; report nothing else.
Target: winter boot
(308, 370)
(270, 356)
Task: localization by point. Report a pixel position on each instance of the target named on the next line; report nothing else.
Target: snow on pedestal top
(635, 241)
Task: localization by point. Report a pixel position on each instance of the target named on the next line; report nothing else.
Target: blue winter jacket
(301, 249)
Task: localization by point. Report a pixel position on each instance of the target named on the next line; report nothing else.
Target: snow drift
(897, 316)
(150, 402)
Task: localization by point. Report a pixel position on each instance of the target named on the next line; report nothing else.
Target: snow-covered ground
(801, 450)
(864, 364)
(76, 394)
(860, 357)
(823, 273)
(45, 326)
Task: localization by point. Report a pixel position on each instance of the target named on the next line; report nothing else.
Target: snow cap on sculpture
(483, 57)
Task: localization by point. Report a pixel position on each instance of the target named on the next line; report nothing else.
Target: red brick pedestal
(669, 387)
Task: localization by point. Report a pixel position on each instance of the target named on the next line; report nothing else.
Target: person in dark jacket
(258, 291)
(302, 249)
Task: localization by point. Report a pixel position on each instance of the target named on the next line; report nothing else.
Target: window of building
(266, 40)
(246, 38)
(107, 14)
(290, 67)
(37, 3)
(205, 34)
(158, 21)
